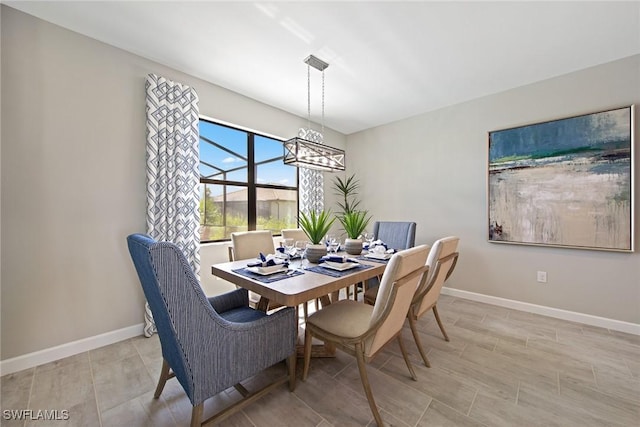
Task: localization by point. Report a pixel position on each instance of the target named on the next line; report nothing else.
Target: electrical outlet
(542, 276)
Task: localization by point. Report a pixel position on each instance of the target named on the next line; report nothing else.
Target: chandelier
(307, 150)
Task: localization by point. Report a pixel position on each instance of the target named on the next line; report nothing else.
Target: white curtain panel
(311, 188)
(172, 168)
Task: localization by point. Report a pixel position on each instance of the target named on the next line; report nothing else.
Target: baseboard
(587, 319)
(69, 349)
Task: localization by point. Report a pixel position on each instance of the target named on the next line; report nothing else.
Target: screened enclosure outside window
(244, 184)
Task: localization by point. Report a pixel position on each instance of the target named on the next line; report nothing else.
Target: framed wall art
(565, 183)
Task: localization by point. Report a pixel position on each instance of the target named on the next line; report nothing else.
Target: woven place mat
(337, 273)
(269, 278)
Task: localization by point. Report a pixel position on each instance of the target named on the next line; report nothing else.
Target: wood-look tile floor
(501, 368)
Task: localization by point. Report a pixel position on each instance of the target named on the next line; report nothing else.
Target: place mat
(364, 258)
(269, 278)
(337, 273)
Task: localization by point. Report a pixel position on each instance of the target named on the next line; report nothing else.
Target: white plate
(265, 271)
(340, 266)
(378, 256)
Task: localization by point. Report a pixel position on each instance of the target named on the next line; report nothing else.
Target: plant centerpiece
(354, 224)
(353, 221)
(316, 226)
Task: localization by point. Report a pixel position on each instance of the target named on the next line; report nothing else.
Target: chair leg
(435, 311)
(307, 354)
(196, 415)
(305, 309)
(292, 370)
(365, 384)
(406, 358)
(164, 376)
(414, 331)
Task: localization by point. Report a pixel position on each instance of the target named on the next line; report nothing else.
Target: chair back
(248, 244)
(442, 260)
(177, 302)
(297, 234)
(397, 288)
(396, 234)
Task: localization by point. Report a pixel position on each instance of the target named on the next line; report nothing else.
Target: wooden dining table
(298, 289)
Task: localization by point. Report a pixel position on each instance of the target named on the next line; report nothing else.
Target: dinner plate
(378, 256)
(265, 271)
(340, 266)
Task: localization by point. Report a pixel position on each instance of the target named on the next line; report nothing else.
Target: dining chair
(297, 234)
(397, 235)
(209, 344)
(442, 260)
(248, 245)
(363, 330)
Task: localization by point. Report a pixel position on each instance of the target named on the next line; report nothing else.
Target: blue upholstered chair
(396, 234)
(212, 344)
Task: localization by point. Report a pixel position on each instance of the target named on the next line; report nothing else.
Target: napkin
(337, 258)
(267, 261)
(379, 243)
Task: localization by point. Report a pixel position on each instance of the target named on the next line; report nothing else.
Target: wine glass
(369, 238)
(301, 246)
(289, 246)
(333, 245)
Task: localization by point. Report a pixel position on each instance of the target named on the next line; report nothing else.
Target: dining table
(299, 283)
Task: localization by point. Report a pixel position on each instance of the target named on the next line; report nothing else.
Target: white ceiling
(388, 60)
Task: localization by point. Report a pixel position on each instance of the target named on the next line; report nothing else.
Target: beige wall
(444, 191)
(73, 180)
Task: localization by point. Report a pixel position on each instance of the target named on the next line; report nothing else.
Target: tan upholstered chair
(248, 245)
(442, 261)
(362, 329)
(297, 234)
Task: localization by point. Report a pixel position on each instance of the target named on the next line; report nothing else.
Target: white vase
(353, 246)
(315, 252)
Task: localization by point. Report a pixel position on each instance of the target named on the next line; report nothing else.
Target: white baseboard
(587, 319)
(69, 349)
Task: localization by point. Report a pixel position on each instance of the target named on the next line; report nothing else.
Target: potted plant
(354, 224)
(316, 226)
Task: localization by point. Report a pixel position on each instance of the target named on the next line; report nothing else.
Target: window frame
(252, 185)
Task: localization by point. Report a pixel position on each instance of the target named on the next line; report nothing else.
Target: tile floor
(501, 368)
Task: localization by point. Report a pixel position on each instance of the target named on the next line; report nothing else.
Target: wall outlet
(542, 276)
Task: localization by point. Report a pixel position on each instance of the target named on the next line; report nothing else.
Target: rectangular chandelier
(312, 155)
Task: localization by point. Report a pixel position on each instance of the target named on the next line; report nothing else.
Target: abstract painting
(564, 183)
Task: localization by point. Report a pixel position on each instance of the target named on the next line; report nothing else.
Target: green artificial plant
(316, 225)
(354, 223)
(347, 189)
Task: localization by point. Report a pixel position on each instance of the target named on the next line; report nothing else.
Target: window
(244, 185)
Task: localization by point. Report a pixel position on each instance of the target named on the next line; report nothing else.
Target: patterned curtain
(311, 181)
(172, 169)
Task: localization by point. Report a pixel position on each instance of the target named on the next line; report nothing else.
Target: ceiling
(388, 60)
